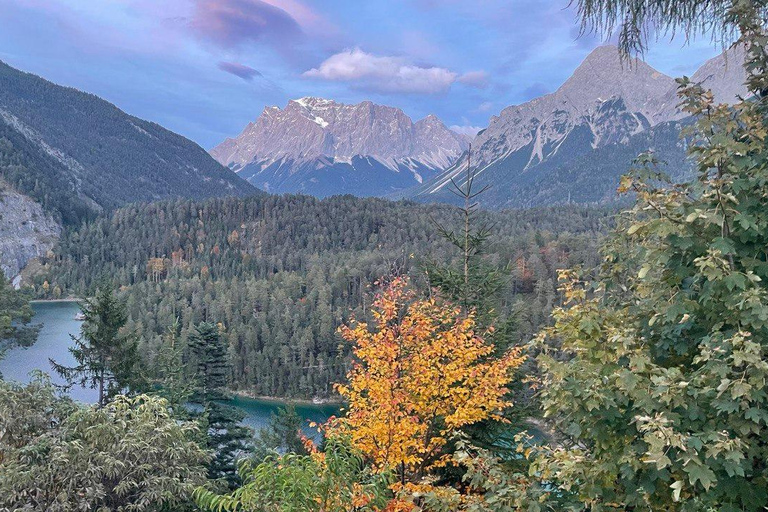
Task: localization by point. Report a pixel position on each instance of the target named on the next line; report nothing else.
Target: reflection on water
(258, 412)
(58, 319)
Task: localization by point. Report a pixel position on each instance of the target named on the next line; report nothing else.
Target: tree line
(280, 274)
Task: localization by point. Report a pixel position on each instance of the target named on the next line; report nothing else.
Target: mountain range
(321, 147)
(66, 155)
(568, 146)
(573, 145)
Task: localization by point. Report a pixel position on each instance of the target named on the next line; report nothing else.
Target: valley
(280, 274)
(481, 262)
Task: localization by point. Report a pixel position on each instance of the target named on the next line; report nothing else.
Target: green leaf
(702, 474)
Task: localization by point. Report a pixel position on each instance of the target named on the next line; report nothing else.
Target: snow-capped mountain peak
(326, 139)
(587, 129)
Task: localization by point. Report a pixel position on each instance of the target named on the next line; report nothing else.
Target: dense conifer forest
(280, 274)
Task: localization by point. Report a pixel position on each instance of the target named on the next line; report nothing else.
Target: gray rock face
(589, 97)
(310, 135)
(26, 231)
(606, 101)
(724, 75)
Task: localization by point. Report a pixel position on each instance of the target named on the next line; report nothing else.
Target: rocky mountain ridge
(323, 147)
(608, 102)
(26, 232)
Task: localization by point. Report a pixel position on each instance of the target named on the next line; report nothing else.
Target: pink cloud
(477, 79)
(309, 20)
(385, 73)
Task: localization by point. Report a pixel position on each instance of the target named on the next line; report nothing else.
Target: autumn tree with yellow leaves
(422, 373)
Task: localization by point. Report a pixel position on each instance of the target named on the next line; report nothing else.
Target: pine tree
(227, 438)
(106, 357)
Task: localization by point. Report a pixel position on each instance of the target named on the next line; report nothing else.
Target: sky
(206, 68)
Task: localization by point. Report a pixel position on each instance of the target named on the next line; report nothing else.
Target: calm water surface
(58, 319)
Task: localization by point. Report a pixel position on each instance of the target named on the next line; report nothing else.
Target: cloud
(231, 23)
(484, 106)
(240, 70)
(477, 79)
(387, 74)
(469, 131)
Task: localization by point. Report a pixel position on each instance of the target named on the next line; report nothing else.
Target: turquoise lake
(58, 320)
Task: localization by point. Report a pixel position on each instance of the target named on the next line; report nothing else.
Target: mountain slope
(72, 155)
(322, 147)
(99, 154)
(574, 144)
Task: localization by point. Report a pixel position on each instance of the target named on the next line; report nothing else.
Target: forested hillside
(76, 153)
(280, 274)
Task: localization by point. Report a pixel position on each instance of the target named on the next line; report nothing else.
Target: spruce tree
(475, 284)
(106, 357)
(478, 287)
(227, 438)
(210, 355)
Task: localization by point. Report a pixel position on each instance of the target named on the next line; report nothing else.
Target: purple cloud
(230, 23)
(240, 70)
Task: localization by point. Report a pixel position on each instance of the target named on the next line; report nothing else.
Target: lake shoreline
(54, 301)
(58, 324)
(287, 400)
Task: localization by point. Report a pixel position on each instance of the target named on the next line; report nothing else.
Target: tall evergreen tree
(106, 357)
(473, 283)
(210, 354)
(227, 438)
(479, 286)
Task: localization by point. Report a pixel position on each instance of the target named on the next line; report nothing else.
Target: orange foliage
(422, 373)
(157, 268)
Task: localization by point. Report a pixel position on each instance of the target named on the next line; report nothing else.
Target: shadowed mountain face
(322, 147)
(66, 155)
(574, 144)
(59, 141)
